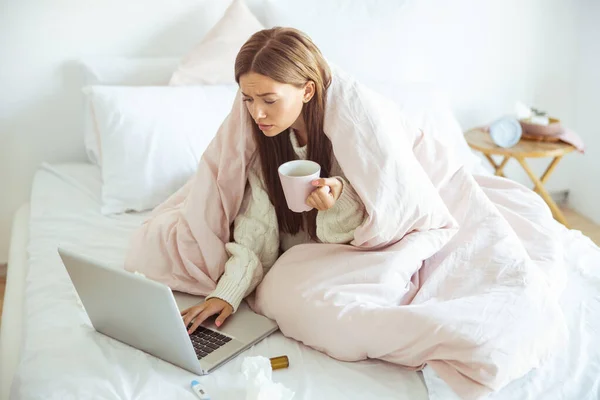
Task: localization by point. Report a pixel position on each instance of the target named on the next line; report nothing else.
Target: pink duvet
(440, 273)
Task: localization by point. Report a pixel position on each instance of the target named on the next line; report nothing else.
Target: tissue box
(553, 128)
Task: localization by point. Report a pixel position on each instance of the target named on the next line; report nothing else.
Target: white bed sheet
(64, 358)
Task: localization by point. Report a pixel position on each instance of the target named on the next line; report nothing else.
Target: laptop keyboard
(205, 341)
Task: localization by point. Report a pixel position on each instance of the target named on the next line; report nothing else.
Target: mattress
(64, 358)
(12, 314)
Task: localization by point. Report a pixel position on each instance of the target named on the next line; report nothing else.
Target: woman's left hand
(328, 191)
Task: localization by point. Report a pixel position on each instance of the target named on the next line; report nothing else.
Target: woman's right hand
(204, 310)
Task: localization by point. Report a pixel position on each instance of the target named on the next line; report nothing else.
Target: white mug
(296, 180)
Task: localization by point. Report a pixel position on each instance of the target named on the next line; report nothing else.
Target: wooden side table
(480, 140)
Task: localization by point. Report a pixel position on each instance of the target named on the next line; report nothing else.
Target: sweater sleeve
(255, 245)
(337, 225)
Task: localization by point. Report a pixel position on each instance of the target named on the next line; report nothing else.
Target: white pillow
(152, 139)
(127, 71)
(213, 59)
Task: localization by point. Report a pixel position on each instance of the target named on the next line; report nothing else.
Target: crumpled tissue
(259, 385)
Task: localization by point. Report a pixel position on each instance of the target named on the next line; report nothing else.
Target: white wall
(554, 77)
(486, 54)
(585, 170)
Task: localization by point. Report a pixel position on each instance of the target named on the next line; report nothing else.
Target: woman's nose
(259, 113)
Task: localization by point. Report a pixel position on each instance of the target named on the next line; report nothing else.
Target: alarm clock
(506, 132)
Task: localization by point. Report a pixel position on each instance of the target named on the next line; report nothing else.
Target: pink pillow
(212, 60)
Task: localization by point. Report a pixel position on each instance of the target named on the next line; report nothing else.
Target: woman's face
(274, 106)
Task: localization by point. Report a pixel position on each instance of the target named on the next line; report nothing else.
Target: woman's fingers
(310, 201)
(325, 197)
(207, 312)
(333, 185)
(192, 312)
(325, 182)
(187, 310)
(314, 201)
(321, 200)
(223, 316)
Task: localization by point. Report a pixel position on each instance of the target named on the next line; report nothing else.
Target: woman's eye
(246, 100)
(270, 102)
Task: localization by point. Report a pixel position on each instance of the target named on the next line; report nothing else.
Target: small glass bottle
(279, 362)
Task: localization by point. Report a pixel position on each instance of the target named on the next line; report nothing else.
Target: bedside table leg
(541, 190)
(498, 168)
(550, 169)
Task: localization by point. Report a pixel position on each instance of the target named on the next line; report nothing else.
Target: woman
(283, 79)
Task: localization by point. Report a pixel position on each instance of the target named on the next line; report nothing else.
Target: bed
(68, 359)
(60, 355)
(49, 350)
(11, 329)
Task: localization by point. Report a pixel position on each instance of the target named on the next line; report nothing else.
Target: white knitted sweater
(257, 241)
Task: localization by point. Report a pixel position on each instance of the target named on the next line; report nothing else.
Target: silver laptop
(145, 314)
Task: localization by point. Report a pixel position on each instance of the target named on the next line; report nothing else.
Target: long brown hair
(289, 56)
